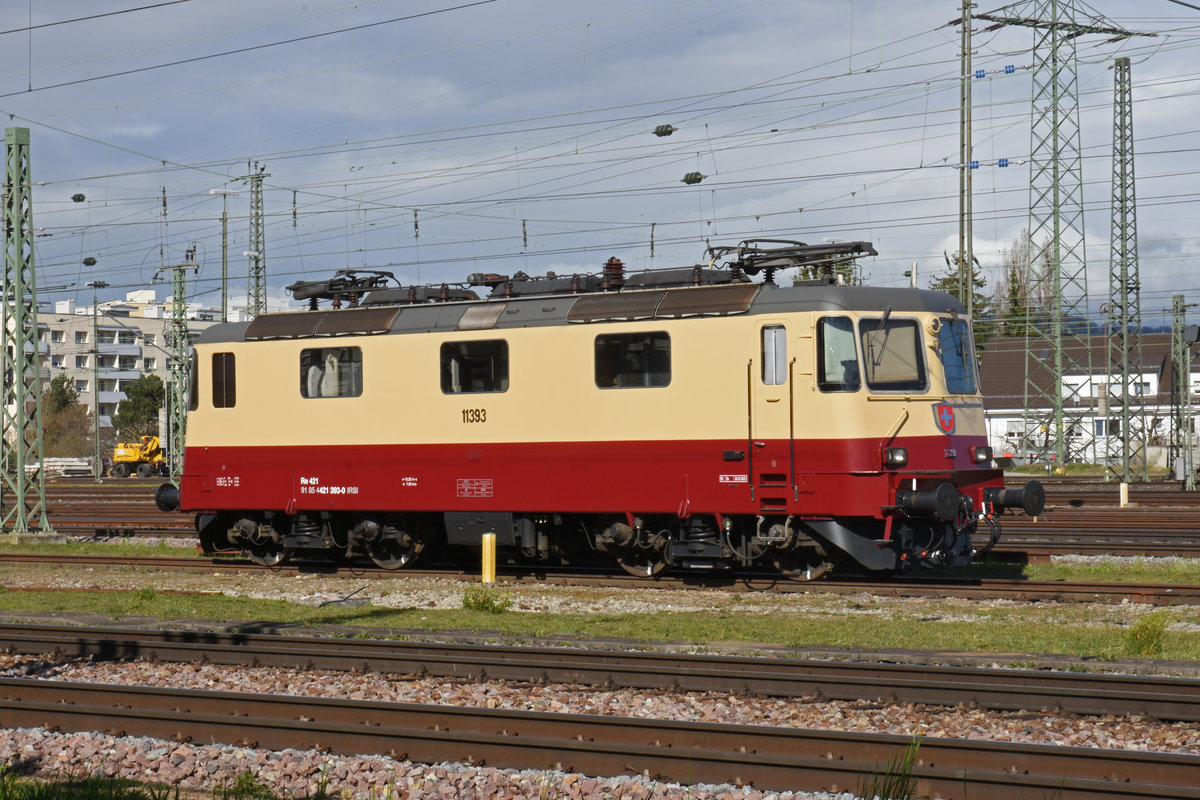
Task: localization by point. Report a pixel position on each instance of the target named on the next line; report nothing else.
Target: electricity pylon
(1058, 344)
(21, 406)
(1126, 450)
(256, 287)
(1182, 442)
(180, 361)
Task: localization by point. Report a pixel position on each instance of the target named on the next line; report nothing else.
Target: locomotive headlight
(981, 454)
(895, 457)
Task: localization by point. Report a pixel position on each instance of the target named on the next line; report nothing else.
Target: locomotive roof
(549, 310)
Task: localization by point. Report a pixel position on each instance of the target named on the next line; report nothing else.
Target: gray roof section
(627, 305)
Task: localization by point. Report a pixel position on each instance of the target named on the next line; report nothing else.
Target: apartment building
(102, 353)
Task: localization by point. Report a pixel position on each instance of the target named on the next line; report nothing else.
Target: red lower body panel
(810, 478)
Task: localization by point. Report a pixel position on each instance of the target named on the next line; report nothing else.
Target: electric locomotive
(701, 418)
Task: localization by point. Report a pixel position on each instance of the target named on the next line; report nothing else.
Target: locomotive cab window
(331, 372)
(224, 383)
(473, 367)
(955, 346)
(627, 360)
(892, 354)
(837, 356)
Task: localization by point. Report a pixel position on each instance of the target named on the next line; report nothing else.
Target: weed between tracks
(245, 786)
(1147, 634)
(895, 781)
(487, 599)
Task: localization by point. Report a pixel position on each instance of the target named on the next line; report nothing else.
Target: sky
(437, 138)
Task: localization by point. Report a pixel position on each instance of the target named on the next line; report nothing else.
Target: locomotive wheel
(391, 554)
(267, 555)
(641, 564)
(801, 565)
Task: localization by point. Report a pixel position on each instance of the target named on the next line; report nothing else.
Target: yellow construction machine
(145, 459)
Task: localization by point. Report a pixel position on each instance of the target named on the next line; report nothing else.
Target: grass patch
(1183, 571)
(1083, 630)
(1077, 470)
(125, 546)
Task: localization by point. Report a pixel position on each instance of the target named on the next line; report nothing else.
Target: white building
(124, 341)
(1091, 425)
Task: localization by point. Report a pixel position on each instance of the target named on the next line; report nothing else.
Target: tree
(951, 283)
(68, 433)
(1014, 319)
(137, 414)
(1024, 295)
(61, 396)
(67, 428)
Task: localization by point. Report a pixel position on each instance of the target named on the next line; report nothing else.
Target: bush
(488, 599)
(1146, 634)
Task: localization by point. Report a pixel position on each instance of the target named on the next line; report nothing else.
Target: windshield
(958, 355)
(892, 354)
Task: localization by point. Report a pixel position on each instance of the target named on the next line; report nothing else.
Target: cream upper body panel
(716, 390)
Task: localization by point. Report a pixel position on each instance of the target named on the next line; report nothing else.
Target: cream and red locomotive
(691, 418)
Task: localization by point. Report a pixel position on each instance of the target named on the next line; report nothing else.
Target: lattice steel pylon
(179, 360)
(256, 287)
(21, 409)
(1058, 369)
(1182, 437)
(1126, 447)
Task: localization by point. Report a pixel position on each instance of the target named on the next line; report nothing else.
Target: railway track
(1162, 698)
(987, 588)
(688, 752)
(1080, 519)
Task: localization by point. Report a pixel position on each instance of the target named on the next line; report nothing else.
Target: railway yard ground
(828, 741)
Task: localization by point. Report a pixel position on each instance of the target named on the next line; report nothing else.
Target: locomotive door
(770, 389)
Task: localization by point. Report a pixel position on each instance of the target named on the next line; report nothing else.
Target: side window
(473, 367)
(224, 383)
(193, 383)
(892, 354)
(331, 372)
(625, 360)
(774, 355)
(837, 357)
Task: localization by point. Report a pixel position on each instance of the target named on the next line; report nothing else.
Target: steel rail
(1163, 698)
(688, 752)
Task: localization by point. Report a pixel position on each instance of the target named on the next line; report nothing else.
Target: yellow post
(489, 558)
